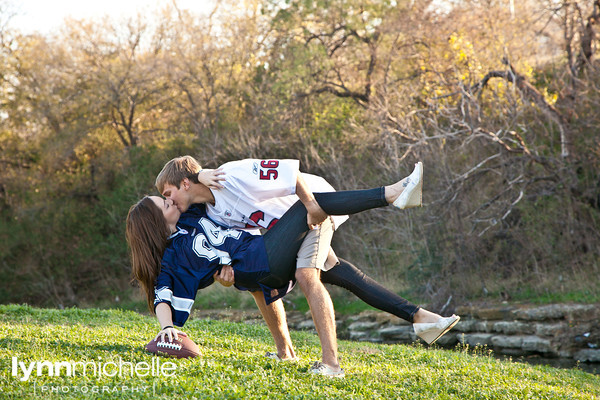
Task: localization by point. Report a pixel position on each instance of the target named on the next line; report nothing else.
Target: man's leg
(311, 258)
(274, 315)
(321, 308)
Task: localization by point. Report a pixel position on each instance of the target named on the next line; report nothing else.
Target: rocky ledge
(568, 331)
(552, 331)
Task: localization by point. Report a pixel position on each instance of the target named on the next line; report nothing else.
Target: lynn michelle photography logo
(24, 370)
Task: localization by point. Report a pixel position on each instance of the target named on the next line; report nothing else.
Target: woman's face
(170, 212)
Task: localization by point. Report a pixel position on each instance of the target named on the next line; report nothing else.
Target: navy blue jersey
(197, 250)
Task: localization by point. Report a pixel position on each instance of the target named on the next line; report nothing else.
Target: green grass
(345, 303)
(532, 295)
(232, 364)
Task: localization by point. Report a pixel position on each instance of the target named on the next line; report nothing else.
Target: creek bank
(569, 332)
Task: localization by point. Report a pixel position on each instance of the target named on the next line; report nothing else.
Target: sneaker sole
(444, 331)
(415, 199)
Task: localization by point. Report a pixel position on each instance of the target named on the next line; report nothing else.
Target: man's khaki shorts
(316, 251)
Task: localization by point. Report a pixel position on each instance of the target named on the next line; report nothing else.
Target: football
(184, 347)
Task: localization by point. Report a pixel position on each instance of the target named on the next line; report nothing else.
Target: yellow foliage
(236, 69)
(551, 98)
(527, 70)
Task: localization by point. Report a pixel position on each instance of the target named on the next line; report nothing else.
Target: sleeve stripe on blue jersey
(178, 303)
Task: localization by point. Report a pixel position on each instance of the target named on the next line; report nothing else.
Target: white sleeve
(260, 180)
(316, 183)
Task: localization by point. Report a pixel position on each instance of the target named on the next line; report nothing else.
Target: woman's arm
(211, 178)
(165, 319)
(226, 276)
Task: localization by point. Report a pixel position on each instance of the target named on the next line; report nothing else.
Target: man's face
(180, 197)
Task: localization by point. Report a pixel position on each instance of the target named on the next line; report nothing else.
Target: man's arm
(316, 215)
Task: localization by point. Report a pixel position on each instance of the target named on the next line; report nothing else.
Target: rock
(465, 311)
(492, 314)
(512, 327)
(571, 312)
(389, 319)
(363, 316)
(553, 311)
(538, 345)
(482, 326)
(581, 312)
(565, 354)
(549, 329)
(306, 324)
(475, 339)
(350, 318)
(587, 355)
(358, 335)
(467, 325)
(400, 333)
(295, 318)
(568, 331)
(503, 341)
(448, 340)
(362, 326)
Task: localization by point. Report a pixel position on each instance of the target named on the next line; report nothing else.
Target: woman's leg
(284, 239)
(349, 277)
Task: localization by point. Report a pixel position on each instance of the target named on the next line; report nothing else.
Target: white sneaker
(412, 195)
(321, 369)
(432, 331)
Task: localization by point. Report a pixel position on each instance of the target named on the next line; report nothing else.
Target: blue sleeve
(171, 289)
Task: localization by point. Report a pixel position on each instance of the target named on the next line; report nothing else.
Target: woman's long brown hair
(147, 234)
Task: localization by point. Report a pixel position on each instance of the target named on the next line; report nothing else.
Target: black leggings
(283, 240)
(349, 277)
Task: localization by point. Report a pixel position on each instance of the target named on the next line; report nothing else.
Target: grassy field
(232, 364)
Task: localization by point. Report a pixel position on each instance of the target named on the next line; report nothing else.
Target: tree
(124, 72)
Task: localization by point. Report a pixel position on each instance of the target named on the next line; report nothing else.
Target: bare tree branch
(534, 95)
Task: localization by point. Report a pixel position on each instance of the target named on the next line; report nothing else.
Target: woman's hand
(170, 332)
(211, 178)
(226, 276)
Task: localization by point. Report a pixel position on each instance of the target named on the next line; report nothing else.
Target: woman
(197, 248)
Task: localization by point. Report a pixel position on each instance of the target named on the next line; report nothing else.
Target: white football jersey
(257, 193)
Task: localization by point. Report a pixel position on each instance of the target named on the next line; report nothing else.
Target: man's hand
(315, 215)
(225, 277)
(211, 178)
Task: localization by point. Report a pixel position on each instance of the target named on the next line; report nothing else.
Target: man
(255, 194)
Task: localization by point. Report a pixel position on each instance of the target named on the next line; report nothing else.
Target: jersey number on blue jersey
(217, 234)
(203, 245)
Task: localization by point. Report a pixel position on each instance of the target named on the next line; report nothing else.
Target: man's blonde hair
(176, 170)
